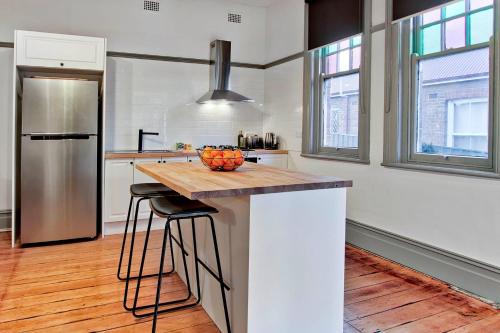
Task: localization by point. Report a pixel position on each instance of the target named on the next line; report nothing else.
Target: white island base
(283, 257)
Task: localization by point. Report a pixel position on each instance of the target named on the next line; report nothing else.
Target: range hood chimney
(220, 68)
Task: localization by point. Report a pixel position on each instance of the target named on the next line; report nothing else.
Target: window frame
(401, 101)
(314, 79)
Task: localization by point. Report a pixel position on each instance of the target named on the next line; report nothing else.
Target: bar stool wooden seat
(177, 208)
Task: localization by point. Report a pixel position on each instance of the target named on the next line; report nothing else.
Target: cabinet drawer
(59, 51)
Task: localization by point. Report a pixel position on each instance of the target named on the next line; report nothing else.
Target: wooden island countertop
(195, 181)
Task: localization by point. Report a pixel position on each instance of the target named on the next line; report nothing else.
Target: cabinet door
(59, 51)
(275, 160)
(119, 175)
(141, 177)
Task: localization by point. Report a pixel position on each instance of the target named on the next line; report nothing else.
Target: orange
(228, 154)
(217, 162)
(238, 161)
(216, 153)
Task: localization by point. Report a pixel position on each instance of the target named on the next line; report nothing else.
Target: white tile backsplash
(160, 97)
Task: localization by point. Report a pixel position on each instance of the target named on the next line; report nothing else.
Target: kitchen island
(281, 236)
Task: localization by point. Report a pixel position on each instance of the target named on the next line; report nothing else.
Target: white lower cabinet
(119, 174)
(275, 160)
(140, 177)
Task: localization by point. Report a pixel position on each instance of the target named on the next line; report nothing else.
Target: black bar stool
(144, 191)
(176, 208)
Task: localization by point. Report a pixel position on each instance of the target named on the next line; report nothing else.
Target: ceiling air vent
(152, 6)
(234, 18)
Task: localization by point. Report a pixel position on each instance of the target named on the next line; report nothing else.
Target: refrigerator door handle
(46, 137)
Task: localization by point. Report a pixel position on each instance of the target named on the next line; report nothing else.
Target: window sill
(449, 171)
(336, 158)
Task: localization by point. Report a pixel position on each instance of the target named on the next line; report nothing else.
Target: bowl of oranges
(223, 158)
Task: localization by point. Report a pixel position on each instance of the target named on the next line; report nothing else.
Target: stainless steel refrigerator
(59, 149)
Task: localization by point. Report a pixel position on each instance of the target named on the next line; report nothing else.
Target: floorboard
(73, 288)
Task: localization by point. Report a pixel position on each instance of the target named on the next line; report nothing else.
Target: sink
(132, 151)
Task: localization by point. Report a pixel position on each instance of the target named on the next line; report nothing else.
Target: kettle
(271, 141)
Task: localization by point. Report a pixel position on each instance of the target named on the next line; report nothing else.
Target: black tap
(141, 135)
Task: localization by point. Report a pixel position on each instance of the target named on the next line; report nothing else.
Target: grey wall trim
(7, 44)
(471, 275)
(176, 59)
(156, 57)
(284, 60)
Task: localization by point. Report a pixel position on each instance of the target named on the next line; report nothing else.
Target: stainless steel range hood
(220, 68)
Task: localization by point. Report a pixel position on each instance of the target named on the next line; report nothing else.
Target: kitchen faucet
(141, 136)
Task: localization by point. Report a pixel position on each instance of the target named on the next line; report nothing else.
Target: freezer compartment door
(59, 106)
(58, 188)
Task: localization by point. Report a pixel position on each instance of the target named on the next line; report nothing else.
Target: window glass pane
(356, 41)
(344, 44)
(332, 48)
(341, 112)
(356, 57)
(432, 16)
(452, 112)
(431, 37)
(475, 4)
(481, 26)
(455, 33)
(470, 117)
(454, 9)
(331, 64)
(343, 61)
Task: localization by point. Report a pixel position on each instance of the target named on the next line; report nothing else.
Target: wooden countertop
(195, 181)
(132, 154)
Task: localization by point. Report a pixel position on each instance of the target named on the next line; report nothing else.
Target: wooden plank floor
(73, 288)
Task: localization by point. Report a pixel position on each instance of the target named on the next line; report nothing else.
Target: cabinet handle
(62, 64)
(159, 161)
(131, 163)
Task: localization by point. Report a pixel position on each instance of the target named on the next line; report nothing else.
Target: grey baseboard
(468, 274)
(5, 218)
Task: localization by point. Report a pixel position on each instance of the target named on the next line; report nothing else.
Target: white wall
(154, 95)
(182, 28)
(160, 97)
(456, 213)
(6, 59)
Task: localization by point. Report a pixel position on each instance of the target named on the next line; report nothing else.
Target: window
(340, 89)
(441, 111)
(337, 117)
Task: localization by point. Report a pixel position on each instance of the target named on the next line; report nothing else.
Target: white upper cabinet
(39, 49)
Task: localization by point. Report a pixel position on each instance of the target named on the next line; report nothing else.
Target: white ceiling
(260, 3)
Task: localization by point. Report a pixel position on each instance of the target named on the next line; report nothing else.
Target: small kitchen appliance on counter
(271, 141)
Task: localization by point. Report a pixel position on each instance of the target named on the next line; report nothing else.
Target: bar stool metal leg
(221, 279)
(124, 239)
(184, 258)
(131, 252)
(168, 231)
(196, 264)
(160, 275)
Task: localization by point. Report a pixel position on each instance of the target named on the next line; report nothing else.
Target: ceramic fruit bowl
(222, 158)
